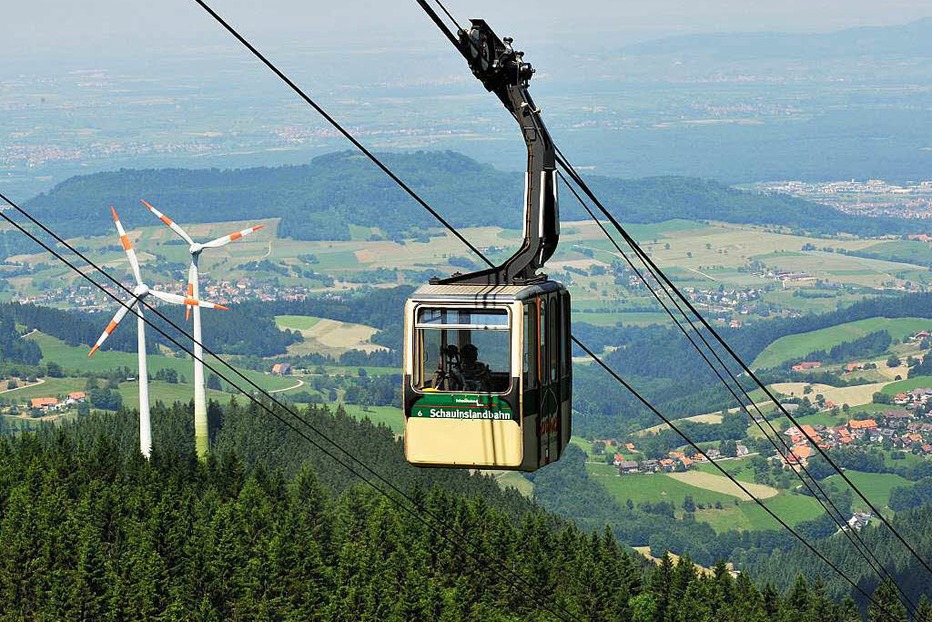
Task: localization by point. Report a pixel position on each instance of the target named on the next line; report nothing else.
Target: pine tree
(886, 605)
(924, 609)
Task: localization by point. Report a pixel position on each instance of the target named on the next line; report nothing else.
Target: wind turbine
(195, 248)
(140, 292)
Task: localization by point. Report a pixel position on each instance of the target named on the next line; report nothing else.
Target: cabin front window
(463, 350)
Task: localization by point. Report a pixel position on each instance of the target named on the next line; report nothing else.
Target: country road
(25, 386)
(294, 386)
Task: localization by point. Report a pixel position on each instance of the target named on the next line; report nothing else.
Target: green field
(516, 480)
(651, 487)
(875, 486)
(74, 359)
(387, 415)
(790, 507)
(794, 347)
(911, 251)
(739, 468)
(296, 322)
(50, 387)
(919, 382)
(743, 515)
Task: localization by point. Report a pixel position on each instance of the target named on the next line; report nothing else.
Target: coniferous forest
(271, 528)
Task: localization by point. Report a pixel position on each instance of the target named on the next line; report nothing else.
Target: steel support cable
(416, 510)
(336, 125)
(658, 273)
(439, 22)
(835, 514)
(448, 14)
(333, 122)
(724, 472)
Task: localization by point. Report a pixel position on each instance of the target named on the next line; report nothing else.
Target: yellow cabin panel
(480, 443)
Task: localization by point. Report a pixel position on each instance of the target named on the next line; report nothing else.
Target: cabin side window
(530, 346)
(463, 349)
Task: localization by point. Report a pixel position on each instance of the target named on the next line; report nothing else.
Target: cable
(824, 500)
(317, 445)
(294, 87)
(444, 9)
(476, 557)
(673, 426)
(333, 122)
(659, 273)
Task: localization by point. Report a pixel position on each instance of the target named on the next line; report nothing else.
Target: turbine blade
(128, 247)
(120, 314)
(232, 237)
(168, 221)
(175, 299)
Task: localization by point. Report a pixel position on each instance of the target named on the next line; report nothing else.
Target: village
(906, 426)
(908, 429)
(87, 297)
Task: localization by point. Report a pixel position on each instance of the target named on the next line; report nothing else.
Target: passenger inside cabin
(476, 374)
(461, 370)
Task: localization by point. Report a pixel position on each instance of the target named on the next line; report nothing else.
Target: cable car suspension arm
(502, 70)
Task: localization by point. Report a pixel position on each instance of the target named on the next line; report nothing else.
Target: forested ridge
(912, 577)
(317, 201)
(268, 528)
(655, 358)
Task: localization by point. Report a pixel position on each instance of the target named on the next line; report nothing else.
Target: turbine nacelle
(141, 290)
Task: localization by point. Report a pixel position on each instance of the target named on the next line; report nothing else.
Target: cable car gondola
(487, 366)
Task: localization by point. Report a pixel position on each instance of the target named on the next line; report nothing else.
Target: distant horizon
(47, 27)
(171, 88)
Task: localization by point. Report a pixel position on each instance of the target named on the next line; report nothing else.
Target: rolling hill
(323, 199)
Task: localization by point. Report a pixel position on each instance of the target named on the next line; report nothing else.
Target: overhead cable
(819, 494)
(658, 273)
(415, 510)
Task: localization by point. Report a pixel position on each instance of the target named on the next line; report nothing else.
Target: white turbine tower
(140, 292)
(194, 248)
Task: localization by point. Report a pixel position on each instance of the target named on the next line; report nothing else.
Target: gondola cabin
(487, 375)
(487, 368)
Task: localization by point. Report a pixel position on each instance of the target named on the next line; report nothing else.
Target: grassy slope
(875, 486)
(793, 347)
(75, 359)
(387, 415)
(296, 322)
(919, 382)
(745, 515)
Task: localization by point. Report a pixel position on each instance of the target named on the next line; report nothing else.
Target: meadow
(327, 337)
(919, 382)
(389, 416)
(794, 347)
(74, 360)
(875, 486)
(724, 511)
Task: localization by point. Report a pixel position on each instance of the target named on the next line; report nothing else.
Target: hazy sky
(35, 26)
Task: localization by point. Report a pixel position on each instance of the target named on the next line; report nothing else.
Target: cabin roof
(473, 294)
